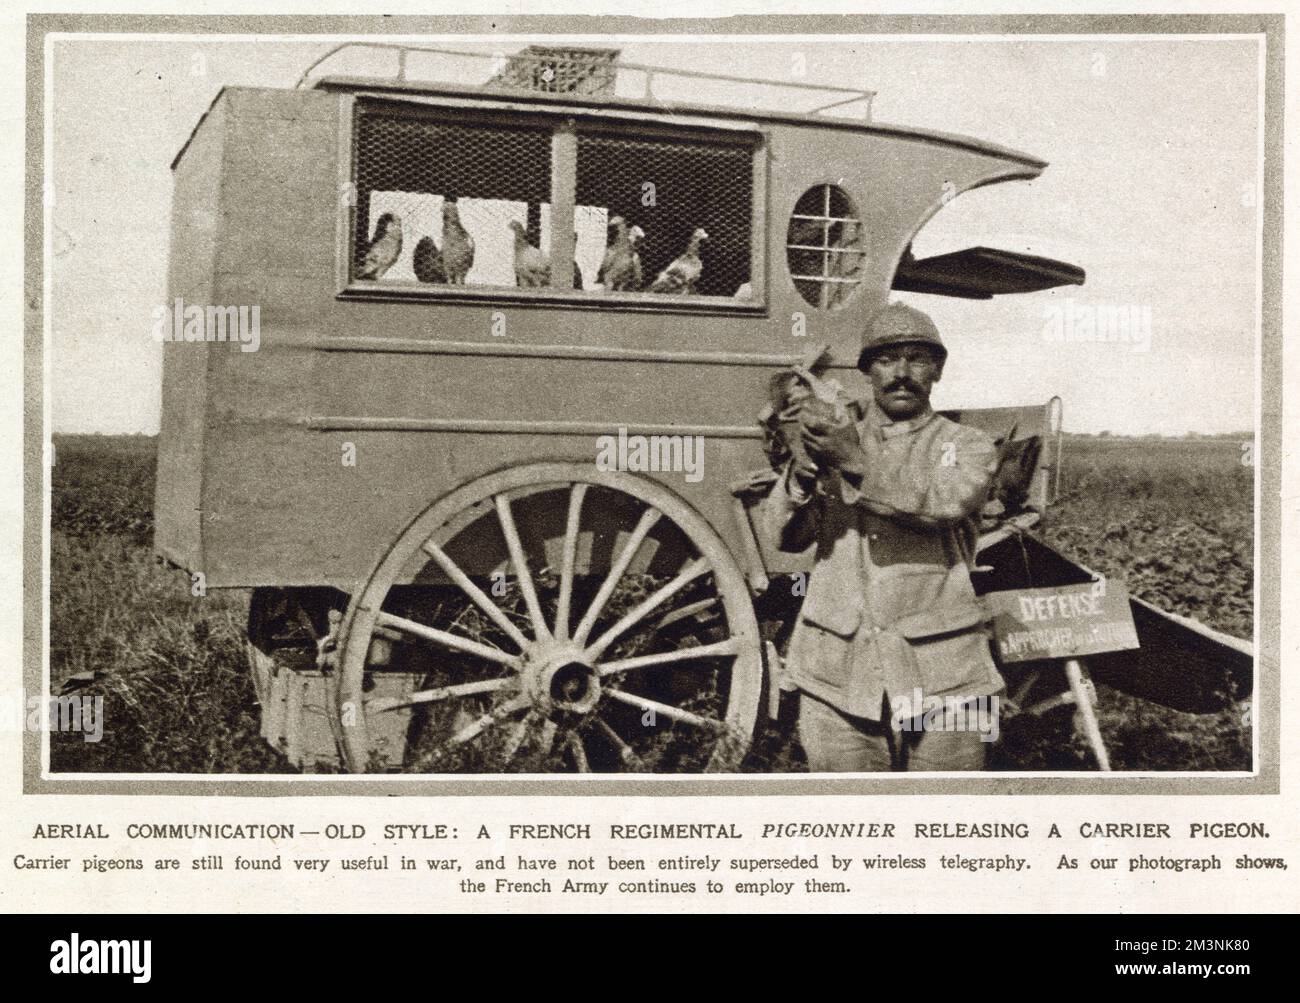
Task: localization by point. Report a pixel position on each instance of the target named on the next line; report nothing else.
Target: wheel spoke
(516, 737)
(727, 647)
(520, 564)
(667, 710)
(576, 495)
(625, 752)
(486, 721)
(578, 752)
(480, 598)
(442, 693)
(633, 544)
(683, 613)
(475, 728)
(547, 737)
(647, 605)
(448, 640)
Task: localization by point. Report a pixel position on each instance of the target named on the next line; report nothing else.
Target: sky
(1153, 146)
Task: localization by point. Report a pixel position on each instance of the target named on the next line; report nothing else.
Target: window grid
(824, 247)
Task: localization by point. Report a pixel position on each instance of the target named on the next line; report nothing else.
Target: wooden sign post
(1062, 624)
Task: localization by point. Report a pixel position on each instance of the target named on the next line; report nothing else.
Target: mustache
(903, 383)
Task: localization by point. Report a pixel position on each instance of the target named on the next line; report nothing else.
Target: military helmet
(899, 324)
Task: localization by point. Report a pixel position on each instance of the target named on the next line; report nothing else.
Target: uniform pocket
(946, 619)
(835, 617)
(822, 654)
(950, 647)
(955, 664)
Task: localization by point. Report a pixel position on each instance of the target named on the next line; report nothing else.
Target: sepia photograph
(622, 406)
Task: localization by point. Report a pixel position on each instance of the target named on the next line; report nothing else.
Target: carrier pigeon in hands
(427, 262)
(384, 249)
(621, 266)
(680, 277)
(794, 390)
(531, 267)
(457, 245)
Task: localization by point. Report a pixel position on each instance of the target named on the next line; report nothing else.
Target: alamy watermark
(192, 322)
(1072, 322)
(89, 956)
(683, 454)
(69, 713)
(918, 712)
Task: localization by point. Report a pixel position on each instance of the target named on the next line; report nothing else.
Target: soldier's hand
(831, 443)
(803, 473)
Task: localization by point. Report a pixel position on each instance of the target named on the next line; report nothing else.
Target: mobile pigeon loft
(466, 292)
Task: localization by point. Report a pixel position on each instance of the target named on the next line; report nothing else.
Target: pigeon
(638, 238)
(578, 282)
(680, 277)
(803, 387)
(428, 262)
(384, 249)
(531, 267)
(619, 268)
(457, 245)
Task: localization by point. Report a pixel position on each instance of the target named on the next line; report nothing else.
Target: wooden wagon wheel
(568, 661)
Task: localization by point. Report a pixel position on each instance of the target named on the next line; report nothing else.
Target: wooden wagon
(407, 470)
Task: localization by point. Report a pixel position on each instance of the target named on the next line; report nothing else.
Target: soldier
(890, 625)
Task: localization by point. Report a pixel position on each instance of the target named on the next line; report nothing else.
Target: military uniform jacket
(890, 609)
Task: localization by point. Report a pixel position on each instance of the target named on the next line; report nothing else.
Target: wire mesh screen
(450, 203)
(456, 203)
(824, 247)
(686, 209)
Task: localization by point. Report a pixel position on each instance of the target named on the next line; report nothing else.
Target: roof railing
(597, 66)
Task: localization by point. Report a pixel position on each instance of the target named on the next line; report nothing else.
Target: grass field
(1170, 518)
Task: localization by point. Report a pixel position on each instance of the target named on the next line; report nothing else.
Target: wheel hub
(562, 679)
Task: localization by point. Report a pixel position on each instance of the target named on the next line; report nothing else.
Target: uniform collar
(888, 429)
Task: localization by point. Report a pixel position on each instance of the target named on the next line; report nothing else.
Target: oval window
(825, 247)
